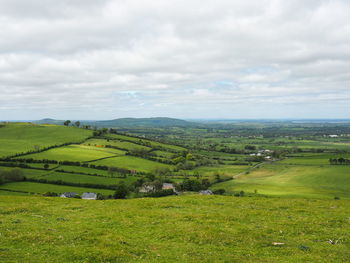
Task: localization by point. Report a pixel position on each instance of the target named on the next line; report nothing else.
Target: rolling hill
(128, 122)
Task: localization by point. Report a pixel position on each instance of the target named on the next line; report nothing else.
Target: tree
(67, 122)
(77, 123)
(121, 191)
(46, 166)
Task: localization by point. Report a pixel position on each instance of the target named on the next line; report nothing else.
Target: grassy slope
(21, 137)
(75, 153)
(131, 162)
(308, 180)
(173, 229)
(116, 143)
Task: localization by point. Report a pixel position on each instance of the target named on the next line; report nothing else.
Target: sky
(107, 59)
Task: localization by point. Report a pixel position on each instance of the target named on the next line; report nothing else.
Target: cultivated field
(23, 137)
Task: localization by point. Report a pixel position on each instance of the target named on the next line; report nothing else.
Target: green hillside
(23, 137)
(174, 229)
(309, 176)
(129, 122)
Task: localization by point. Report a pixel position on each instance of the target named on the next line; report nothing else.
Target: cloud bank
(87, 59)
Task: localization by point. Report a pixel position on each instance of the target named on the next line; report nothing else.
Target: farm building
(205, 192)
(69, 195)
(89, 196)
(147, 188)
(167, 186)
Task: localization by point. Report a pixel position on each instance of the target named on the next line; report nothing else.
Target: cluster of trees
(339, 161)
(60, 182)
(13, 175)
(67, 122)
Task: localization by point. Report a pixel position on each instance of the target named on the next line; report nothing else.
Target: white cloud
(224, 59)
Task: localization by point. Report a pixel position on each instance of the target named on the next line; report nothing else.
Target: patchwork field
(174, 229)
(75, 153)
(303, 180)
(23, 137)
(133, 163)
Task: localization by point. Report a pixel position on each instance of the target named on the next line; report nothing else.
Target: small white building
(69, 195)
(167, 186)
(147, 188)
(205, 192)
(89, 196)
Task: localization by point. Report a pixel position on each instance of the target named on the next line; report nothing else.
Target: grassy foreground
(174, 229)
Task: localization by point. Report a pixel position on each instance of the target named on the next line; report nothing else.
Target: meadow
(24, 137)
(292, 207)
(132, 163)
(187, 228)
(307, 180)
(75, 153)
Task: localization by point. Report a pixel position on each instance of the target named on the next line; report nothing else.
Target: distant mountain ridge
(127, 122)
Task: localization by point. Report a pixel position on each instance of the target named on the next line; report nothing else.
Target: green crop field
(77, 153)
(81, 178)
(120, 144)
(147, 142)
(294, 180)
(133, 163)
(174, 229)
(23, 137)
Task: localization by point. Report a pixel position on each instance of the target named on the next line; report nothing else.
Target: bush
(121, 191)
(219, 191)
(160, 193)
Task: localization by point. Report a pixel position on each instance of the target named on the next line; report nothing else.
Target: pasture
(132, 163)
(75, 153)
(309, 181)
(188, 228)
(116, 143)
(24, 137)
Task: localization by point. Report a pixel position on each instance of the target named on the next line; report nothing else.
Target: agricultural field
(116, 143)
(132, 163)
(309, 179)
(75, 153)
(24, 137)
(83, 179)
(187, 228)
(148, 143)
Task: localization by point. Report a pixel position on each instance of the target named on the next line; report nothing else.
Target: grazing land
(24, 137)
(281, 193)
(174, 229)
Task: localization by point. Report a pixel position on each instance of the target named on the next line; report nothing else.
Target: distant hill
(49, 121)
(128, 122)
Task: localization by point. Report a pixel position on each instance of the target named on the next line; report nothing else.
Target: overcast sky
(104, 59)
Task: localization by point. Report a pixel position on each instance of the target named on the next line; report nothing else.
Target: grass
(80, 178)
(147, 142)
(133, 163)
(174, 229)
(28, 173)
(226, 170)
(307, 181)
(39, 188)
(116, 143)
(23, 137)
(77, 153)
